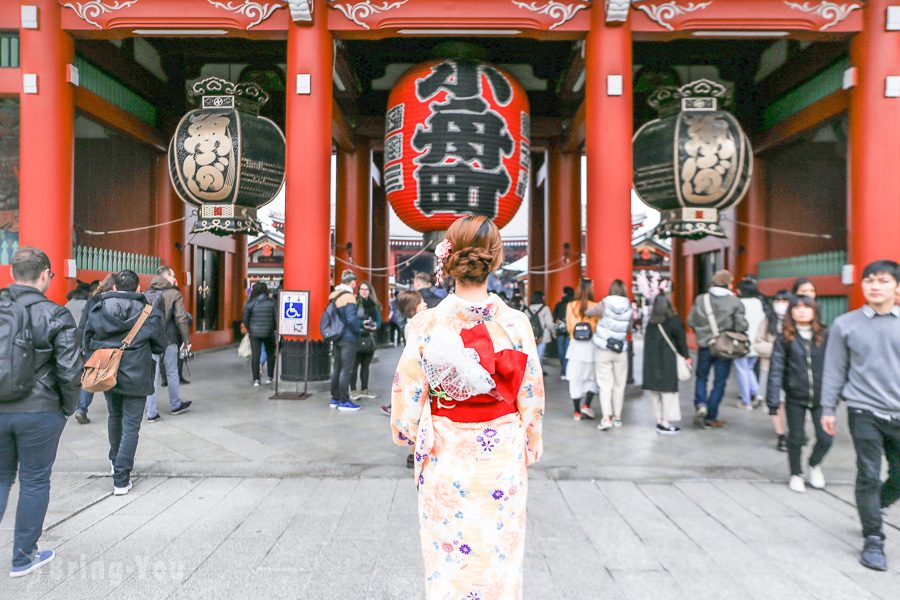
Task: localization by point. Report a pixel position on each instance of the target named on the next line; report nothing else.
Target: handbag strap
(711, 316)
(666, 337)
(137, 326)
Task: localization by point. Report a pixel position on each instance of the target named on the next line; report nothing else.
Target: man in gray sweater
(862, 362)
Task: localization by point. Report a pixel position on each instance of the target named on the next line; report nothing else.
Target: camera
(185, 354)
(369, 325)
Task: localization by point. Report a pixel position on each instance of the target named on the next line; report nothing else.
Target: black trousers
(123, 426)
(796, 422)
(344, 355)
(872, 437)
(256, 345)
(361, 370)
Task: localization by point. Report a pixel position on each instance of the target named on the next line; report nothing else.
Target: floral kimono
(471, 454)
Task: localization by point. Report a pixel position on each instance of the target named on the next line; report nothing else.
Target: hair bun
(476, 249)
(469, 264)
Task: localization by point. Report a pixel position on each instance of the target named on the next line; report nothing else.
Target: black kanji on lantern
(463, 141)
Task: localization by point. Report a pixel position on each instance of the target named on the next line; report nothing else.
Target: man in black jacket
(30, 428)
(422, 284)
(108, 324)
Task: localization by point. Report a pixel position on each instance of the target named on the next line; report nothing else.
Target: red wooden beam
(109, 114)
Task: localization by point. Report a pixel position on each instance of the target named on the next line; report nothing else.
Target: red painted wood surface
(874, 208)
(608, 150)
(308, 188)
(47, 133)
(353, 213)
(564, 222)
(826, 285)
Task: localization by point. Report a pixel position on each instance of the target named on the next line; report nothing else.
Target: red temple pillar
(47, 128)
(537, 247)
(873, 209)
(608, 132)
(380, 241)
(352, 238)
(307, 210)
(751, 238)
(564, 228)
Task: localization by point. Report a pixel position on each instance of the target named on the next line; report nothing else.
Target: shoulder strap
(666, 337)
(710, 315)
(137, 326)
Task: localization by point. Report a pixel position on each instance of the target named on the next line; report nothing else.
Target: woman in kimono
(469, 396)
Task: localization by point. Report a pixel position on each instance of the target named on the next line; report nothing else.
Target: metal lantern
(456, 142)
(225, 158)
(691, 162)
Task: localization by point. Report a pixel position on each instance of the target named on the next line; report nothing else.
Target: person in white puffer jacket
(610, 358)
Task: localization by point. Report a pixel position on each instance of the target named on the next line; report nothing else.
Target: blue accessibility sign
(293, 310)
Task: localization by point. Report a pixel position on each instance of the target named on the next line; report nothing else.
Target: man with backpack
(115, 319)
(562, 334)
(541, 320)
(38, 390)
(716, 313)
(165, 296)
(340, 326)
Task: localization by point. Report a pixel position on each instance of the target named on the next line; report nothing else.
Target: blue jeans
(123, 425)
(170, 358)
(562, 345)
(748, 384)
(540, 351)
(84, 400)
(28, 443)
(721, 368)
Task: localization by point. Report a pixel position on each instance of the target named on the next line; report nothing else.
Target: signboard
(293, 313)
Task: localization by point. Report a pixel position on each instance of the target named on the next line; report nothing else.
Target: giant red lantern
(456, 142)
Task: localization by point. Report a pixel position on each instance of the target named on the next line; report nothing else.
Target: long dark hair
(584, 295)
(789, 327)
(259, 289)
(662, 310)
(801, 281)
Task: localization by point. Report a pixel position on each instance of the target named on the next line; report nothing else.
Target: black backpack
(535, 320)
(332, 323)
(17, 374)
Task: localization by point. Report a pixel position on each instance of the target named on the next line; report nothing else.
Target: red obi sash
(507, 369)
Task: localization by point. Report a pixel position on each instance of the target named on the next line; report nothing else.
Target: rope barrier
(131, 230)
(824, 236)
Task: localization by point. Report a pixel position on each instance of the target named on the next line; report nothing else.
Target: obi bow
(507, 367)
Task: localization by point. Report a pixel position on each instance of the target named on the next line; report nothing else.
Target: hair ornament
(441, 253)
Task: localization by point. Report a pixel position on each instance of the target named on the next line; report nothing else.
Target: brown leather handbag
(102, 368)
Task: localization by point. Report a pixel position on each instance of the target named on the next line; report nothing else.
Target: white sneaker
(797, 484)
(121, 491)
(112, 468)
(268, 381)
(367, 394)
(605, 424)
(817, 478)
(355, 394)
(564, 378)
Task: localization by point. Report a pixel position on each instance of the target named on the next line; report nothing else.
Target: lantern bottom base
(694, 230)
(227, 225)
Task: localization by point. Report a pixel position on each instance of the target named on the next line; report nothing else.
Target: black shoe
(183, 407)
(184, 381)
(872, 555)
(781, 446)
(153, 419)
(410, 461)
(81, 417)
(164, 382)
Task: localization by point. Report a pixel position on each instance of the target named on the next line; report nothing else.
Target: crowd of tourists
(109, 336)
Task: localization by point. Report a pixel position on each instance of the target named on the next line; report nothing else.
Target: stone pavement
(245, 497)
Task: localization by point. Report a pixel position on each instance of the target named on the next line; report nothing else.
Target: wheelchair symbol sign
(293, 310)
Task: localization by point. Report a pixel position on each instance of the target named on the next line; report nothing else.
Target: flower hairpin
(441, 253)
